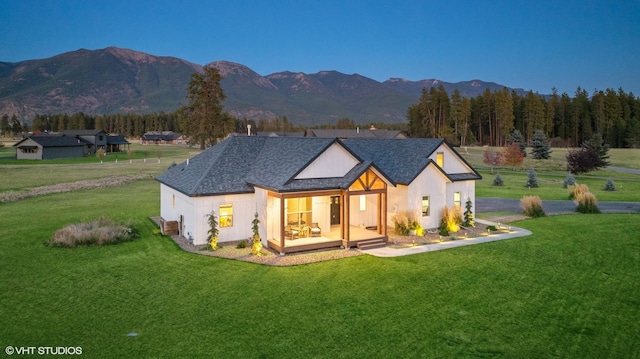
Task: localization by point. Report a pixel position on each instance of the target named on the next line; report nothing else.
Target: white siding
(452, 163)
(195, 209)
(431, 182)
(368, 217)
(322, 212)
(334, 162)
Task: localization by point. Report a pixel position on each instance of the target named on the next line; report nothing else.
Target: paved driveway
(490, 204)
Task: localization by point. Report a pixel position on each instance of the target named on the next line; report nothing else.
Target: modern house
(313, 193)
(45, 147)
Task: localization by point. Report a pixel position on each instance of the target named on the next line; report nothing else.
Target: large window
(426, 205)
(298, 212)
(440, 159)
(456, 200)
(226, 215)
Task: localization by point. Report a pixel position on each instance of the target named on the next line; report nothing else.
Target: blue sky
(533, 45)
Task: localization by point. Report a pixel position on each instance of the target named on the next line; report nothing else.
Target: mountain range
(115, 80)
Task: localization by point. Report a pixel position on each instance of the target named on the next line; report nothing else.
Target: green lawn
(562, 292)
(19, 175)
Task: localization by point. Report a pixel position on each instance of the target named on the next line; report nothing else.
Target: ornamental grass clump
(99, 232)
(577, 190)
(401, 223)
(451, 220)
(587, 203)
(532, 206)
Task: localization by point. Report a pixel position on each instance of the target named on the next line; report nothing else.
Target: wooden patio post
(281, 225)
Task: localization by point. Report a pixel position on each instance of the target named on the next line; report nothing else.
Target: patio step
(371, 243)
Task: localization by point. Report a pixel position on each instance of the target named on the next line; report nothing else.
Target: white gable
(335, 161)
(452, 163)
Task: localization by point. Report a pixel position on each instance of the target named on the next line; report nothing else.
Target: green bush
(241, 244)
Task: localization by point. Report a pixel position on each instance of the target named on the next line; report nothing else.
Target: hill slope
(114, 80)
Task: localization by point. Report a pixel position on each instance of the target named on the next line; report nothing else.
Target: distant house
(117, 143)
(372, 132)
(45, 147)
(312, 193)
(95, 139)
(161, 138)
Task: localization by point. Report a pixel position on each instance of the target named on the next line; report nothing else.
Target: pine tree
(468, 214)
(597, 145)
(497, 181)
(569, 180)
(203, 119)
(541, 149)
(517, 137)
(532, 179)
(610, 186)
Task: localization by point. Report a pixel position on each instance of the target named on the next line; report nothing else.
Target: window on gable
(440, 159)
(226, 215)
(426, 204)
(456, 200)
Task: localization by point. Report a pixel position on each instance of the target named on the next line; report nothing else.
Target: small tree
(597, 144)
(569, 180)
(517, 138)
(468, 214)
(256, 242)
(512, 156)
(541, 149)
(498, 180)
(582, 160)
(532, 179)
(492, 158)
(213, 230)
(100, 153)
(610, 186)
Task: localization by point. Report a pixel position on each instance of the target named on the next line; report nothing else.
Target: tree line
(490, 118)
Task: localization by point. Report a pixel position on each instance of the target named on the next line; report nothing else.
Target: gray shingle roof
(53, 141)
(240, 163)
(401, 159)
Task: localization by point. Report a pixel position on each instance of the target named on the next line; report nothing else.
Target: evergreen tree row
(490, 118)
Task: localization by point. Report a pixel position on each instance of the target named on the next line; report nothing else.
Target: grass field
(562, 292)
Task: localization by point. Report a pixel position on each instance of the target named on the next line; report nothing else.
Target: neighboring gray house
(312, 193)
(95, 139)
(371, 132)
(45, 147)
(161, 138)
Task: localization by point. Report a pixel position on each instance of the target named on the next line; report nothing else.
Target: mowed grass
(551, 174)
(562, 292)
(20, 175)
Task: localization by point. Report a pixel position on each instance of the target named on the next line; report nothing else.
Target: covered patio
(342, 217)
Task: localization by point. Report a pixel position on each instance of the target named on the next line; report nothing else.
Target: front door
(335, 210)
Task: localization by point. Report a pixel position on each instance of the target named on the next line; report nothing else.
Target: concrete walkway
(396, 252)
